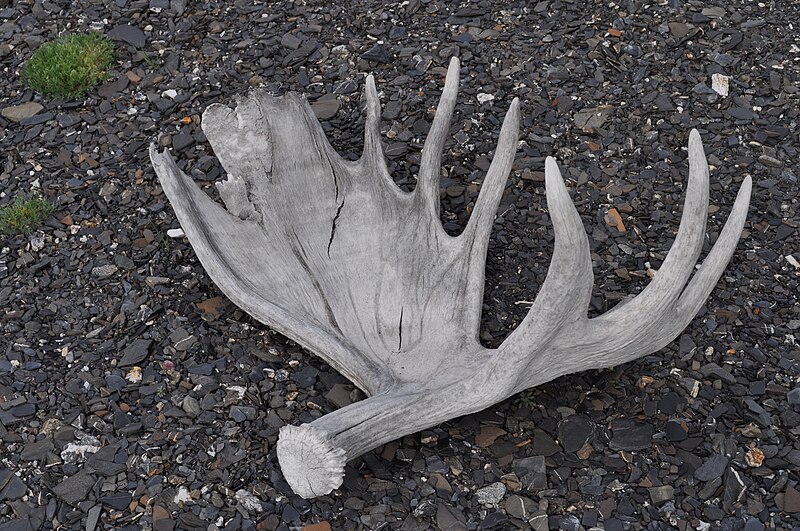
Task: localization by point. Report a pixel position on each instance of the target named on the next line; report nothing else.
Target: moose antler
(335, 256)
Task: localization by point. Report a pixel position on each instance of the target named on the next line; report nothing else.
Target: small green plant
(24, 215)
(70, 65)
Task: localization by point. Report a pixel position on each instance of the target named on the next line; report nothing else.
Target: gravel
(133, 395)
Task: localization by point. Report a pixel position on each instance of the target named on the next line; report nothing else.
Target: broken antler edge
(332, 254)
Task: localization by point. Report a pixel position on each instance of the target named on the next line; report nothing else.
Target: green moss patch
(70, 65)
(24, 215)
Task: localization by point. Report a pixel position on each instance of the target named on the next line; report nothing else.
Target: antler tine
(428, 180)
(705, 279)
(372, 133)
(479, 228)
(564, 295)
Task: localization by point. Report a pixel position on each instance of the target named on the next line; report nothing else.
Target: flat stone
(719, 84)
(488, 435)
(543, 444)
(135, 353)
(75, 488)
(734, 489)
(491, 495)
(182, 141)
(104, 271)
(376, 53)
(11, 486)
(661, 494)
(93, 517)
(791, 500)
(162, 520)
(339, 395)
(449, 518)
(127, 33)
(575, 431)
(325, 109)
(36, 450)
(630, 435)
(668, 404)
(191, 406)
(17, 113)
(712, 468)
(118, 500)
(520, 506)
(590, 119)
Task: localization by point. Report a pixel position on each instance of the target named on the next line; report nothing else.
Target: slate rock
(520, 506)
(93, 517)
(590, 119)
(17, 113)
(712, 468)
(661, 494)
(494, 520)
(569, 522)
(794, 396)
(675, 431)
(491, 495)
(191, 406)
(11, 486)
(574, 432)
(127, 33)
(117, 500)
(115, 381)
(376, 53)
(628, 434)
(325, 109)
(543, 444)
(135, 353)
(162, 521)
(668, 404)
(734, 489)
(75, 488)
(182, 141)
(37, 450)
(105, 461)
(23, 410)
(791, 500)
(449, 518)
(754, 524)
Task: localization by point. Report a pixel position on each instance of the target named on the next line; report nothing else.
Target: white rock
(720, 84)
(182, 496)
(170, 93)
(483, 97)
(75, 452)
(792, 260)
(175, 233)
(249, 501)
(492, 494)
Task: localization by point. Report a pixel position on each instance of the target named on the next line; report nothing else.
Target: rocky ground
(134, 396)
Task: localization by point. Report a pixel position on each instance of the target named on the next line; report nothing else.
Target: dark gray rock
(129, 34)
(75, 488)
(712, 468)
(630, 435)
(135, 353)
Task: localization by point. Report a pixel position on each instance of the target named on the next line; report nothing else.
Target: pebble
(104, 271)
(712, 468)
(491, 495)
(17, 113)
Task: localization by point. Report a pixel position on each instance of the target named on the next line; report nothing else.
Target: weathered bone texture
(335, 256)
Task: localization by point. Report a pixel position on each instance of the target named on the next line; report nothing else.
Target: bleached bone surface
(335, 256)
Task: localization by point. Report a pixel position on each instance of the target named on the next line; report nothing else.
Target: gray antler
(335, 256)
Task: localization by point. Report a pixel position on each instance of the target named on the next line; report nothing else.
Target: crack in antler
(392, 256)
